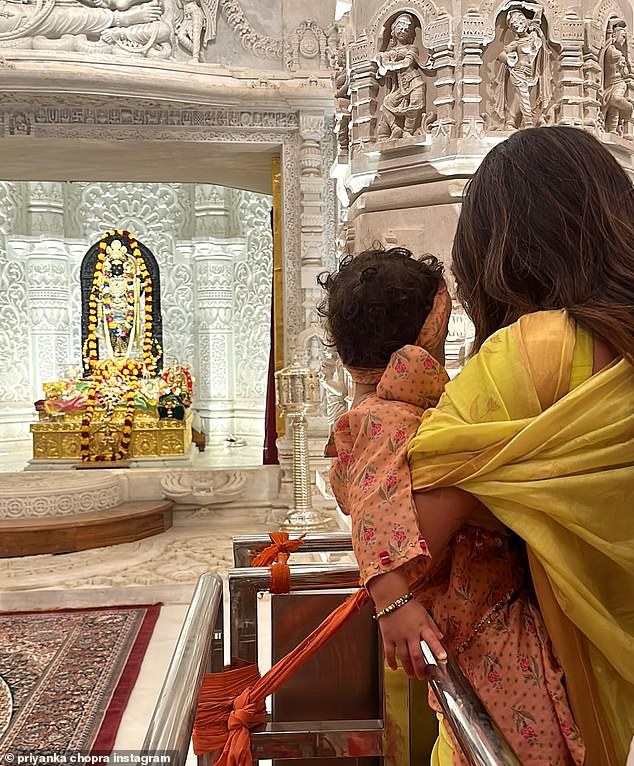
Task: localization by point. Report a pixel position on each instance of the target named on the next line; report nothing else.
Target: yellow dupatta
(556, 466)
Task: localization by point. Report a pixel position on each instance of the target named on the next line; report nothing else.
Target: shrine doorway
(32, 188)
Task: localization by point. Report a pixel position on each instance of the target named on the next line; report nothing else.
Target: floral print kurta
(477, 594)
(370, 477)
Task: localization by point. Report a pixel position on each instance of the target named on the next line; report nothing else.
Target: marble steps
(124, 523)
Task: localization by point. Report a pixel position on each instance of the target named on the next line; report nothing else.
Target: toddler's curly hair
(377, 302)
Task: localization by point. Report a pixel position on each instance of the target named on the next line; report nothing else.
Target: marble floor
(15, 456)
(163, 568)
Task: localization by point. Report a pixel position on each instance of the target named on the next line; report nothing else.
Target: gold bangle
(397, 604)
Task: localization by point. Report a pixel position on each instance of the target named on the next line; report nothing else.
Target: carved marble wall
(424, 88)
(215, 71)
(449, 84)
(287, 35)
(213, 246)
(15, 404)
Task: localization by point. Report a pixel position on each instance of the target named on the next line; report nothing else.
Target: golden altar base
(60, 437)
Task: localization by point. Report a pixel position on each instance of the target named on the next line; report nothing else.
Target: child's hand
(402, 632)
(403, 629)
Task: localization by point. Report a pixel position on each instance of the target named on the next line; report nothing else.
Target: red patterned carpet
(66, 676)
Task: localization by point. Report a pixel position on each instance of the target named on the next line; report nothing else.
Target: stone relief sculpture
(145, 27)
(84, 19)
(523, 87)
(204, 488)
(616, 70)
(156, 29)
(342, 100)
(402, 111)
(198, 27)
(191, 24)
(334, 381)
(314, 353)
(258, 44)
(309, 41)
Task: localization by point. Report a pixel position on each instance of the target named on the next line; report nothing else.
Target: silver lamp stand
(299, 395)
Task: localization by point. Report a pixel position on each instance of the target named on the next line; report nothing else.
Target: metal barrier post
(171, 724)
(482, 743)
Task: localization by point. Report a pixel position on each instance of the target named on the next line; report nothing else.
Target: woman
(538, 429)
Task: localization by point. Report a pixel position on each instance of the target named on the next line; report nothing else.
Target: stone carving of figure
(198, 26)
(402, 112)
(617, 76)
(314, 353)
(342, 100)
(147, 27)
(90, 18)
(193, 24)
(524, 83)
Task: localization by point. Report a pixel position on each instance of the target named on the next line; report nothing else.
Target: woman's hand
(402, 632)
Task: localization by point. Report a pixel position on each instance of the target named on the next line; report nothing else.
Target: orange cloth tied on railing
(277, 555)
(220, 692)
(225, 713)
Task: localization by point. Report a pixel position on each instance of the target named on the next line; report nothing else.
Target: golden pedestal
(60, 437)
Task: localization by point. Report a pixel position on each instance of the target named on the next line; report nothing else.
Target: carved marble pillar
(592, 77)
(48, 284)
(473, 30)
(311, 130)
(48, 301)
(213, 286)
(438, 39)
(46, 209)
(571, 71)
(211, 211)
(363, 92)
(214, 391)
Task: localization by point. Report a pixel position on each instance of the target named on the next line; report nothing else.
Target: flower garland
(106, 373)
(149, 361)
(90, 344)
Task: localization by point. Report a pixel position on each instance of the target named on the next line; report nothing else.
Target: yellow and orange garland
(129, 369)
(103, 371)
(90, 344)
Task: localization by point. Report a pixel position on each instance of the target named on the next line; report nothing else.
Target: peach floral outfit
(477, 594)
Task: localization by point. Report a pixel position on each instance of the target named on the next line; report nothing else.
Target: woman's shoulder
(533, 333)
(538, 324)
(541, 344)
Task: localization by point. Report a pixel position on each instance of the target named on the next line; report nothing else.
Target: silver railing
(482, 743)
(476, 733)
(171, 725)
(170, 728)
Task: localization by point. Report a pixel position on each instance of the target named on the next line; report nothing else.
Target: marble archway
(81, 119)
(25, 126)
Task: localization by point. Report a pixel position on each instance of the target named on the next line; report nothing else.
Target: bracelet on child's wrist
(397, 604)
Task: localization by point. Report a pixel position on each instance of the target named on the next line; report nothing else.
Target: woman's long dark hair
(547, 222)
